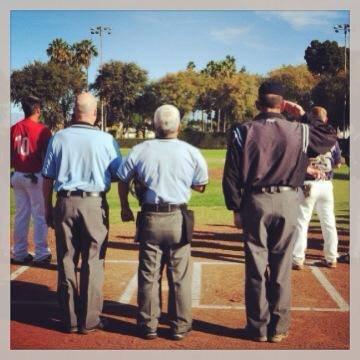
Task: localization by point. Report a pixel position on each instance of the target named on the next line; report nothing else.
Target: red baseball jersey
(28, 142)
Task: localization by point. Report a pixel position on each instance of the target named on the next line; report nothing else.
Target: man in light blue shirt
(80, 163)
(167, 169)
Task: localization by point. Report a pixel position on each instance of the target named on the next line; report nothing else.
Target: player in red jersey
(29, 139)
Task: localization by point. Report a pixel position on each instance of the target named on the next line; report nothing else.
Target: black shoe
(179, 335)
(254, 336)
(27, 260)
(72, 330)
(100, 326)
(43, 261)
(148, 334)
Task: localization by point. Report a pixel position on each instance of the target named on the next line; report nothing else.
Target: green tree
(83, 52)
(325, 57)
(54, 83)
(60, 52)
(332, 92)
(297, 81)
(190, 66)
(216, 96)
(120, 84)
(180, 89)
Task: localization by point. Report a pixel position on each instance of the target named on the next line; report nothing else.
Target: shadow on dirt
(130, 311)
(318, 244)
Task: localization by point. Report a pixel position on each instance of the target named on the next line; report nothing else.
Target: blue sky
(165, 41)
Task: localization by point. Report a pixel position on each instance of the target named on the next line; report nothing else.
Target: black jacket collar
(269, 115)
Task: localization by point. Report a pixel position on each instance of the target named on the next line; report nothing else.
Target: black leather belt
(64, 193)
(272, 189)
(163, 207)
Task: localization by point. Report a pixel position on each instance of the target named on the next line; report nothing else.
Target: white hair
(86, 103)
(166, 119)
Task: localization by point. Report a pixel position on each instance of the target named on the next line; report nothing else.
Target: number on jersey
(22, 145)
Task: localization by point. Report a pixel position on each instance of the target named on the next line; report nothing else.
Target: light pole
(345, 28)
(101, 31)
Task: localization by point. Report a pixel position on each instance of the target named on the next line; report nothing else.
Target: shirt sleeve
(127, 169)
(231, 182)
(115, 159)
(44, 138)
(320, 138)
(49, 167)
(201, 176)
(336, 155)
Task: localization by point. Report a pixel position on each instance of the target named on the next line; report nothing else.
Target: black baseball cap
(271, 87)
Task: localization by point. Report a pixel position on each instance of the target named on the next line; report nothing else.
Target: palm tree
(83, 52)
(59, 51)
(190, 66)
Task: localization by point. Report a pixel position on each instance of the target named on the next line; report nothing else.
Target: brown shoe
(276, 338)
(100, 326)
(330, 263)
(298, 266)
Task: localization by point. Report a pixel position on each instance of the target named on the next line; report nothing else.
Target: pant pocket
(159, 228)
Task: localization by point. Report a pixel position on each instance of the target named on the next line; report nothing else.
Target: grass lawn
(210, 208)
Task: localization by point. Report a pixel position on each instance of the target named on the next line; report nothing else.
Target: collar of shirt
(269, 115)
(84, 124)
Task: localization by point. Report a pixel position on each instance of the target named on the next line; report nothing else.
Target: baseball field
(320, 301)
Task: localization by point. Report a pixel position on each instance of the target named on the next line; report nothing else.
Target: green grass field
(210, 208)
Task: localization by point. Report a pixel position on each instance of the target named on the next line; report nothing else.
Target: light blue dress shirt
(81, 157)
(168, 168)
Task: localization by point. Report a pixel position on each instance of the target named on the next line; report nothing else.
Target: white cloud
(229, 34)
(302, 19)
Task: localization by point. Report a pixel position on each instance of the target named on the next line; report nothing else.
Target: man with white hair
(81, 160)
(168, 168)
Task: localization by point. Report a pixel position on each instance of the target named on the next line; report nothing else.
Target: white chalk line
(201, 307)
(326, 284)
(216, 262)
(18, 272)
(130, 290)
(196, 284)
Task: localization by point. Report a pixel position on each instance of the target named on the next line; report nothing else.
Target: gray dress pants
(81, 230)
(161, 244)
(268, 221)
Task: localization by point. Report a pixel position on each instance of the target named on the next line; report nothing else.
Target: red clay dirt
(36, 320)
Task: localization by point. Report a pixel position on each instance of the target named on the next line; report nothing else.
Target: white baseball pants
(322, 199)
(29, 201)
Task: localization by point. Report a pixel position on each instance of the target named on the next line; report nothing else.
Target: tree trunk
(224, 123)
(202, 121)
(218, 120)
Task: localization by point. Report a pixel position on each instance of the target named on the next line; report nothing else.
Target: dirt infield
(320, 310)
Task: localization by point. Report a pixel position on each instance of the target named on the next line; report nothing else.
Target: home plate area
(320, 310)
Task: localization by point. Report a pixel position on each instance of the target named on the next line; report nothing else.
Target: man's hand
(316, 173)
(237, 220)
(127, 214)
(292, 108)
(198, 188)
(49, 216)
